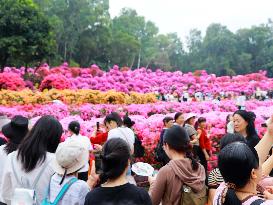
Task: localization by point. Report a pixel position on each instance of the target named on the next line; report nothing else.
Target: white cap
(190, 115)
(70, 156)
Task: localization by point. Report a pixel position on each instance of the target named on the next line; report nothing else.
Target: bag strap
(64, 190)
(37, 177)
(40, 174)
(13, 168)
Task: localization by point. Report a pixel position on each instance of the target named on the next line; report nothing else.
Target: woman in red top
(204, 140)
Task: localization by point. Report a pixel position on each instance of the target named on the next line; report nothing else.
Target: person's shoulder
(141, 191)
(81, 186)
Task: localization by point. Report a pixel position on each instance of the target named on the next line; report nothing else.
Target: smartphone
(98, 163)
(98, 126)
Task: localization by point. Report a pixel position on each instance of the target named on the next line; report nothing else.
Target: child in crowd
(64, 187)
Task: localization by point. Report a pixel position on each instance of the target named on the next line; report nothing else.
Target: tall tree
(25, 34)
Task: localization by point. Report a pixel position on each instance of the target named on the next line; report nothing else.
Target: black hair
(44, 137)
(113, 117)
(74, 127)
(2, 141)
(167, 119)
(199, 121)
(227, 121)
(227, 118)
(230, 138)
(236, 161)
(177, 115)
(178, 139)
(249, 117)
(115, 156)
(10, 147)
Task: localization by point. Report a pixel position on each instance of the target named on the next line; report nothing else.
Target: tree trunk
(139, 58)
(65, 51)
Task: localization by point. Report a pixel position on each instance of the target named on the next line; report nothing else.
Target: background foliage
(82, 33)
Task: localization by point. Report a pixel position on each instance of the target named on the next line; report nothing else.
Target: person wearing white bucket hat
(64, 187)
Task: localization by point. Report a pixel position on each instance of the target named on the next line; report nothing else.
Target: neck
(116, 182)
(177, 156)
(243, 133)
(249, 189)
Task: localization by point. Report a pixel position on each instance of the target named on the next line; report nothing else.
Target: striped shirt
(215, 179)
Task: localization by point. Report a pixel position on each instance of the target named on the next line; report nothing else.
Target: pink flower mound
(11, 81)
(57, 81)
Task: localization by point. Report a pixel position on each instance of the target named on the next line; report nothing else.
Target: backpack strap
(13, 168)
(64, 190)
(257, 202)
(36, 179)
(40, 174)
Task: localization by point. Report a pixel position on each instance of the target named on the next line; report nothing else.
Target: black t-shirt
(126, 194)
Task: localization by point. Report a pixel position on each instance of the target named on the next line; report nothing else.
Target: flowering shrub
(11, 81)
(144, 80)
(72, 97)
(56, 81)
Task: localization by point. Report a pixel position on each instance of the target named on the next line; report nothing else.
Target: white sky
(182, 15)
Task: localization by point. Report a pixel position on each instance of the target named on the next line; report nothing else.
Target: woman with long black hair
(181, 171)
(29, 166)
(244, 124)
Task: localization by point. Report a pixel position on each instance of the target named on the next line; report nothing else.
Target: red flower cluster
(11, 81)
(56, 81)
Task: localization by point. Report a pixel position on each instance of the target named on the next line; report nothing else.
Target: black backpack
(138, 148)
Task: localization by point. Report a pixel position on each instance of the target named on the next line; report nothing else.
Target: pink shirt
(246, 201)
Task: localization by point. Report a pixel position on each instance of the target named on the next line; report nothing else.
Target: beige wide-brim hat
(70, 156)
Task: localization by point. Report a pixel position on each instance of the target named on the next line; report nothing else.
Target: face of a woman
(111, 125)
(169, 124)
(180, 120)
(192, 121)
(239, 123)
(203, 124)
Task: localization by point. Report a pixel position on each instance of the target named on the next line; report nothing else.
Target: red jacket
(100, 138)
(204, 141)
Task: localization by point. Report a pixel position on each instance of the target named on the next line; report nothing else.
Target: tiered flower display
(143, 80)
(89, 94)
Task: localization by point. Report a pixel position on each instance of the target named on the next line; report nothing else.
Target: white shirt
(241, 101)
(86, 142)
(75, 195)
(3, 158)
(230, 127)
(124, 133)
(9, 182)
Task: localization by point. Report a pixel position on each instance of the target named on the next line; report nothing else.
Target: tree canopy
(82, 33)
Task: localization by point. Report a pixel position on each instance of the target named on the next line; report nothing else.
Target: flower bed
(139, 80)
(26, 97)
(148, 117)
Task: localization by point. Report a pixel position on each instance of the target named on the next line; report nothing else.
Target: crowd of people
(37, 168)
(175, 96)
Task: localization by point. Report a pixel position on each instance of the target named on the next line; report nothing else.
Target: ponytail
(74, 127)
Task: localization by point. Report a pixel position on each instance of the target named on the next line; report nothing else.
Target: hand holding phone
(98, 126)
